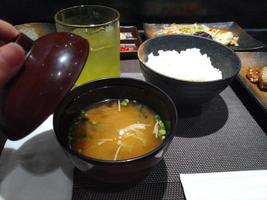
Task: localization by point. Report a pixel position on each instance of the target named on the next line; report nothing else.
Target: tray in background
(130, 40)
(246, 41)
(253, 59)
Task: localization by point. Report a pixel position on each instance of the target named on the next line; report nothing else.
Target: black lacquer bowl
(88, 94)
(189, 93)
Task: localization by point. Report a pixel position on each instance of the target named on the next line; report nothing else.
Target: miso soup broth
(116, 130)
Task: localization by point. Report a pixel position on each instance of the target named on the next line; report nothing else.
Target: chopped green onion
(142, 110)
(83, 117)
(157, 117)
(161, 133)
(124, 102)
(161, 124)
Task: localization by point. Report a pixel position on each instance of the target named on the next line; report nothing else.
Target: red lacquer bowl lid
(52, 66)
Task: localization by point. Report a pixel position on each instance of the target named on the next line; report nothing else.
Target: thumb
(11, 59)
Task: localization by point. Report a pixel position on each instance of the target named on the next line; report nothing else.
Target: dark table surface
(227, 134)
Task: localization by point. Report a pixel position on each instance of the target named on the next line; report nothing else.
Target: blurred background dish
(130, 40)
(245, 41)
(36, 29)
(253, 60)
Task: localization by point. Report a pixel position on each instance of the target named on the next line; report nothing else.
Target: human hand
(11, 54)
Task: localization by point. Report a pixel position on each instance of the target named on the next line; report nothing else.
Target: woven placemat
(219, 136)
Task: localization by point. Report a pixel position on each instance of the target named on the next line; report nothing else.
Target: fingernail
(12, 55)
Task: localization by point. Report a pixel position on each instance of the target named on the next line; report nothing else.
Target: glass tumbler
(100, 26)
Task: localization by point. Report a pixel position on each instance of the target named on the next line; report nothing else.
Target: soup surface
(117, 130)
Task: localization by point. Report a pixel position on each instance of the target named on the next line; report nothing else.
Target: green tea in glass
(100, 26)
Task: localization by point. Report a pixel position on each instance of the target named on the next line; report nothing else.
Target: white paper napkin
(35, 167)
(238, 185)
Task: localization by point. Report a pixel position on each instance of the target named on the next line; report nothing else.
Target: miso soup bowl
(115, 171)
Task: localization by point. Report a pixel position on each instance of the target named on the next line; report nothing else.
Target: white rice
(189, 65)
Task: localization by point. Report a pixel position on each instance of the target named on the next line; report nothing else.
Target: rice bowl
(187, 92)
